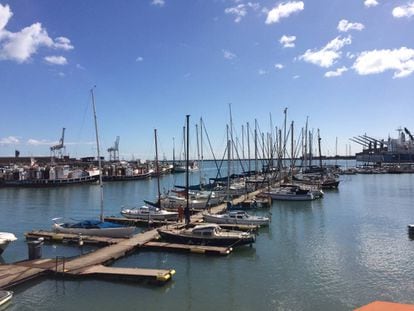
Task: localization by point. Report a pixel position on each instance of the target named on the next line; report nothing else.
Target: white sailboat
(94, 227)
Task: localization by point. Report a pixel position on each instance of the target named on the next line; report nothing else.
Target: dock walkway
(93, 263)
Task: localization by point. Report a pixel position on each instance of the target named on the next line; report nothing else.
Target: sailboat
(94, 227)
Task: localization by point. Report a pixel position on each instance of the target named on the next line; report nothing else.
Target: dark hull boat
(207, 234)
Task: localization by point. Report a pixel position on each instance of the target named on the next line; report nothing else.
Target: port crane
(56, 150)
(114, 151)
(409, 133)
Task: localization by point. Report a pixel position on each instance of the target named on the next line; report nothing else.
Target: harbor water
(338, 253)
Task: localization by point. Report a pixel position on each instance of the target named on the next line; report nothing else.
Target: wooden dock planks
(199, 249)
(159, 275)
(11, 275)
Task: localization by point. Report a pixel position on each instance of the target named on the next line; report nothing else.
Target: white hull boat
(290, 194)
(236, 217)
(5, 297)
(149, 213)
(5, 239)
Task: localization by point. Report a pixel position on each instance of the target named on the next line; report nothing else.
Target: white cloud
(296, 77)
(328, 55)
(240, 10)
(35, 142)
(5, 15)
(229, 55)
(20, 46)
(158, 2)
(56, 60)
(370, 3)
(288, 41)
(63, 43)
(284, 10)
(401, 61)
(278, 66)
(80, 67)
(139, 59)
(11, 140)
(345, 26)
(338, 72)
(262, 72)
(350, 55)
(404, 10)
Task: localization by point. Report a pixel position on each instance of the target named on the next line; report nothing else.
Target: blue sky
(347, 65)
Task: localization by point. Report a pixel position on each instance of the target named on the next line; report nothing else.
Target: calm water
(343, 251)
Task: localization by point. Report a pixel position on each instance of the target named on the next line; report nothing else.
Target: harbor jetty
(94, 264)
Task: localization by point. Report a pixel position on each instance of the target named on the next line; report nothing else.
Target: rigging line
(209, 143)
(80, 129)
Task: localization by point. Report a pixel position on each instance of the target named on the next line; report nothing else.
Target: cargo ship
(391, 150)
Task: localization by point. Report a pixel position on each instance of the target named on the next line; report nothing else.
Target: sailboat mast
(157, 167)
(187, 207)
(292, 151)
(201, 151)
(99, 155)
(320, 153)
(248, 146)
(228, 164)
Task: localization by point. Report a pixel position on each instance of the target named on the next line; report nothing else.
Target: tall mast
(248, 146)
(243, 142)
(320, 153)
(99, 155)
(198, 149)
(292, 149)
(228, 164)
(201, 150)
(284, 134)
(231, 138)
(157, 167)
(187, 207)
(306, 142)
(255, 146)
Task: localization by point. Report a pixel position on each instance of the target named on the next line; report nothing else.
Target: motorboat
(5, 239)
(5, 297)
(236, 217)
(149, 213)
(207, 234)
(93, 227)
(293, 193)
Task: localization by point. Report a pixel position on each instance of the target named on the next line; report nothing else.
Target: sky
(346, 66)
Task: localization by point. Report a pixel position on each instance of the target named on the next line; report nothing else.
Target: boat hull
(190, 239)
(5, 297)
(217, 219)
(119, 232)
(158, 217)
(291, 197)
(5, 239)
